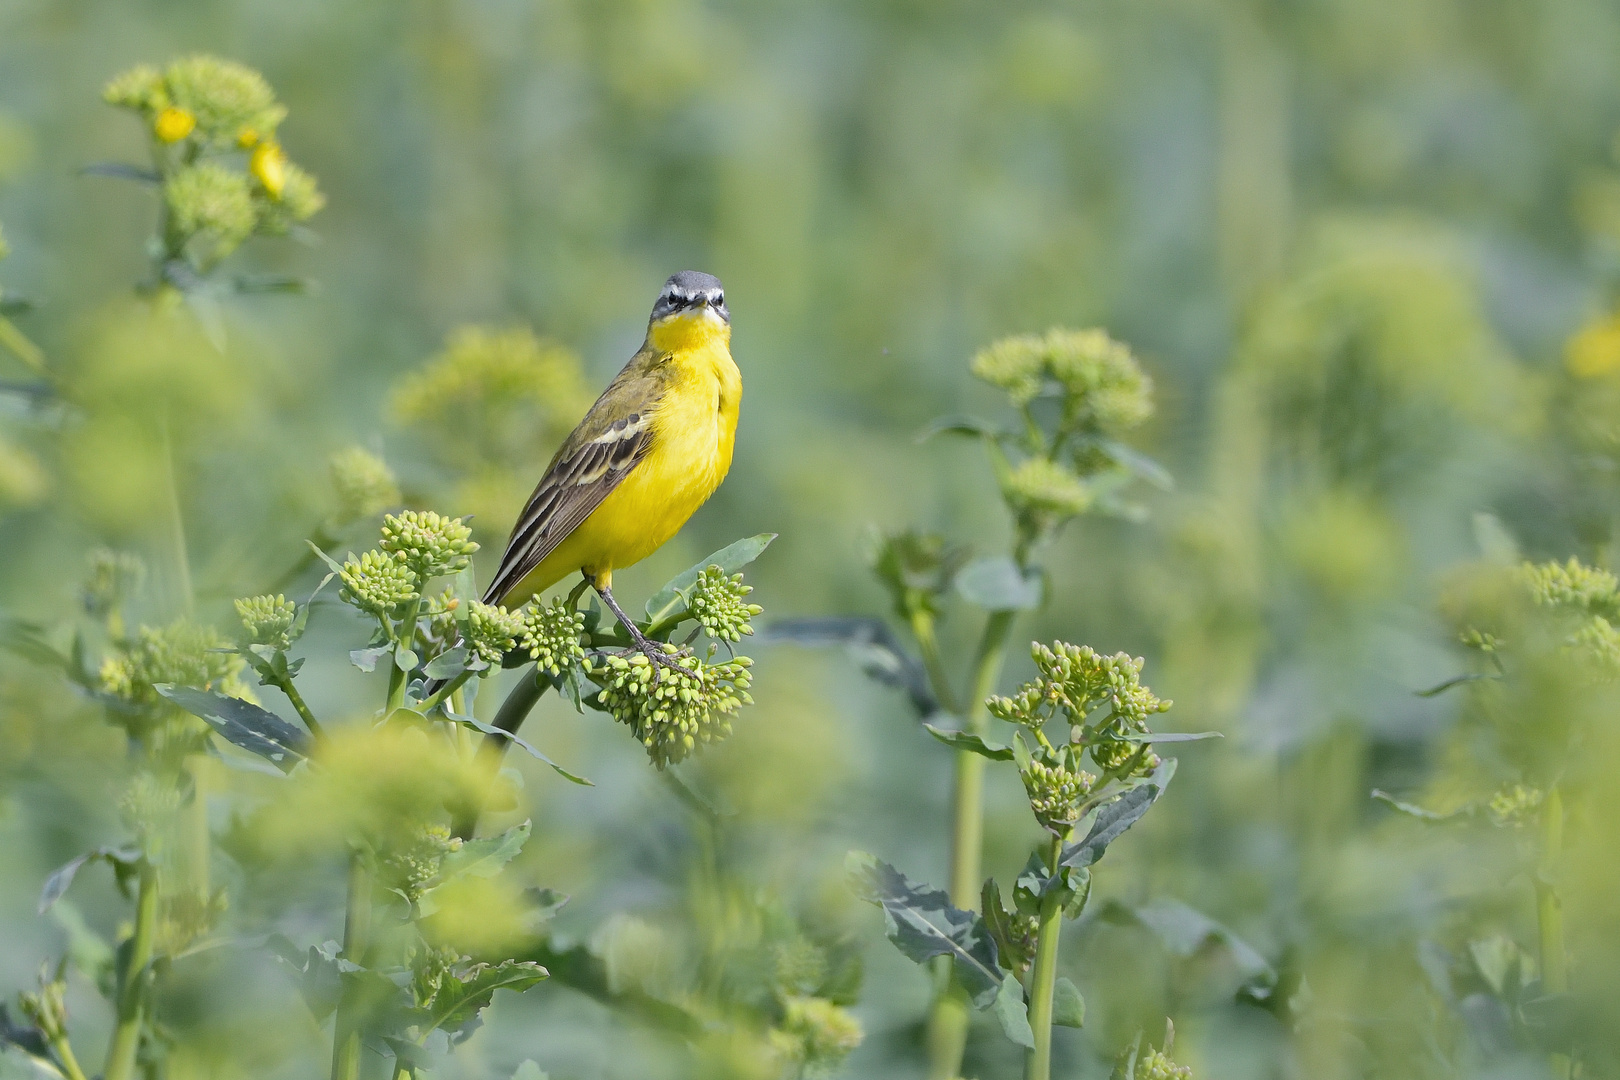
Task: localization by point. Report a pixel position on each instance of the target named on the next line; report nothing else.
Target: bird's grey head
(691, 290)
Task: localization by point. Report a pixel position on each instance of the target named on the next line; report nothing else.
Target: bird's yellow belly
(689, 456)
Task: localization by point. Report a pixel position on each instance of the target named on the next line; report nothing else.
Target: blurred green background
(1351, 240)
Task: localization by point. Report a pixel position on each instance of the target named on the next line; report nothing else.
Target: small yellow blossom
(173, 124)
(1595, 351)
(268, 164)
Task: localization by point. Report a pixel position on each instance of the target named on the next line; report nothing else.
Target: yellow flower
(247, 138)
(1595, 351)
(269, 165)
(173, 124)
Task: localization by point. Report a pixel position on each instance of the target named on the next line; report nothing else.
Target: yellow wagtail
(654, 446)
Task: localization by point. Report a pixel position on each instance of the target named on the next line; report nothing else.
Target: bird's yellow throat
(689, 330)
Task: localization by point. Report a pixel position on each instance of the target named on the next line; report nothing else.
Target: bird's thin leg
(652, 650)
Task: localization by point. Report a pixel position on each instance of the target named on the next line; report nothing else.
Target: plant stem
(297, 699)
(1550, 911)
(514, 710)
(64, 1054)
(397, 679)
(1043, 978)
(948, 1023)
(356, 943)
(134, 980)
(922, 628)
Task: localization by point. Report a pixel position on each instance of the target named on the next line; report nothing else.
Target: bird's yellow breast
(694, 428)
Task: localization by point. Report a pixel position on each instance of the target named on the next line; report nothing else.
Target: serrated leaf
(366, 659)
(1068, 1007)
(487, 856)
(62, 877)
(923, 924)
(1010, 1011)
(872, 644)
(671, 601)
(317, 973)
(490, 729)
(463, 995)
(975, 744)
(1113, 819)
(996, 583)
(242, 723)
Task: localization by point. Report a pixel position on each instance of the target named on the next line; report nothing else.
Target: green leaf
(1166, 736)
(529, 1071)
(448, 664)
(490, 729)
(118, 170)
(317, 973)
(122, 859)
(1432, 817)
(1185, 932)
(1113, 819)
(1455, 680)
(1068, 1007)
(966, 740)
(1009, 944)
(243, 723)
(404, 659)
(1138, 463)
(1010, 1010)
(871, 644)
(996, 583)
(27, 640)
(923, 924)
(485, 857)
(465, 993)
(366, 659)
(670, 603)
(971, 426)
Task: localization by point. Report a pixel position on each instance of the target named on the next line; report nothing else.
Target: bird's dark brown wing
(611, 441)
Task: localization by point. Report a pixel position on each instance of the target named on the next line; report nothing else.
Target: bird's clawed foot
(657, 652)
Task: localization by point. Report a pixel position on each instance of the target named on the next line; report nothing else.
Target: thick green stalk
(922, 628)
(356, 943)
(1550, 912)
(287, 687)
(134, 980)
(514, 710)
(1043, 980)
(64, 1054)
(948, 1022)
(397, 679)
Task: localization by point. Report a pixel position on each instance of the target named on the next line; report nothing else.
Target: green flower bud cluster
(672, 712)
(1573, 585)
(432, 545)
(221, 111)
(1111, 754)
(1514, 805)
(182, 653)
(413, 865)
(223, 98)
(816, 1033)
(1157, 1065)
(551, 635)
(1102, 385)
(114, 577)
(267, 619)
(1046, 489)
(436, 625)
(917, 568)
(491, 631)
(209, 199)
(718, 605)
(47, 1009)
(187, 914)
(429, 968)
(377, 583)
(799, 966)
(1075, 680)
(148, 805)
(1056, 792)
(1598, 641)
(364, 485)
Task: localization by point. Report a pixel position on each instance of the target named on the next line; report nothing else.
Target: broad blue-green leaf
(671, 601)
(122, 859)
(1112, 820)
(995, 583)
(871, 644)
(966, 740)
(1158, 737)
(366, 659)
(1185, 932)
(448, 664)
(243, 723)
(466, 992)
(1010, 1010)
(923, 924)
(404, 659)
(490, 729)
(1068, 1007)
(487, 856)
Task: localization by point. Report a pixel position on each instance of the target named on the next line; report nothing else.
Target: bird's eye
(720, 300)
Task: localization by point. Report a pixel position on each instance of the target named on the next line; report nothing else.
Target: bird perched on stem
(650, 451)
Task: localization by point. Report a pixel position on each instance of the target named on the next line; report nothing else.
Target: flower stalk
(1043, 976)
(356, 944)
(134, 980)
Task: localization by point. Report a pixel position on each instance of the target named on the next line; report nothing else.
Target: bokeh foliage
(1366, 249)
